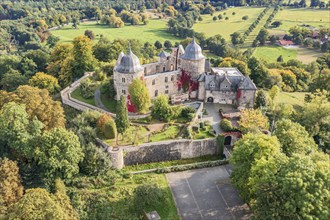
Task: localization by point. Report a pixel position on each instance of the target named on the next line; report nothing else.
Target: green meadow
(153, 31)
(227, 27)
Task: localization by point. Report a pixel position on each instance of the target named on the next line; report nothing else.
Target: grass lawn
(153, 31)
(203, 134)
(291, 17)
(170, 163)
(134, 135)
(110, 104)
(227, 27)
(76, 94)
(271, 53)
(97, 198)
(293, 98)
(170, 133)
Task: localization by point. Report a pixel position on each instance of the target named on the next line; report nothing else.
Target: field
(291, 17)
(293, 98)
(227, 27)
(271, 53)
(153, 31)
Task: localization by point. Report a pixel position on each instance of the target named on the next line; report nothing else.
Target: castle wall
(195, 67)
(222, 97)
(162, 83)
(122, 81)
(247, 99)
(201, 91)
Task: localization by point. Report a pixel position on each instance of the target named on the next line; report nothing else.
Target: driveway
(212, 116)
(206, 194)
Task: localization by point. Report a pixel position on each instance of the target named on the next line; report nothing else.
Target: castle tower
(193, 60)
(127, 69)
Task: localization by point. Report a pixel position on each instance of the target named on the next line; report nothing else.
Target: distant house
(285, 42)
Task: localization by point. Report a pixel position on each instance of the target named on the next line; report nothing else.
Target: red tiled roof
(286, 42)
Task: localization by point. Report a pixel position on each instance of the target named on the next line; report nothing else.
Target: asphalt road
(206, 194)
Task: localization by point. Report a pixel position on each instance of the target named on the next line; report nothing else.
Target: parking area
(206, 194)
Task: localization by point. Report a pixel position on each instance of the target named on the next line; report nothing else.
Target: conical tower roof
(193, 52)
(129, 63)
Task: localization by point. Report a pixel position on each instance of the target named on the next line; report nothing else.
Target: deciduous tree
(139, 95)
(252, 121)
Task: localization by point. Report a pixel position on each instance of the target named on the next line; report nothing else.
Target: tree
(252, 121)
(247, 151)
(17, 131)
(215, 18)
(168, 44)
(139, 95)
(122, 121)
(245, 17)
(161, 110)
(263, 101)
(52, 40)
(262, 36)
(240, 65)
(12, 79)
(235, 38)
(315, 117)
(291, 188)
(83, 56)
(158, 45)
(294, 138)
(58, 152)
(107, 126)
(11, 189)
(37, 203)
(280, 59)
(273, 92)
(226, 125)
(38, 104)
(45, 81)
(90, 34)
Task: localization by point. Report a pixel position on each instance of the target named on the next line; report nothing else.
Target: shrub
(110, 130)
(186, 111)
(220, 143)
(226, 125)
(245, 17)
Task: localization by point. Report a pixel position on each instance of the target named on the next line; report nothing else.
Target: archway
(228, 141)
(210, 99)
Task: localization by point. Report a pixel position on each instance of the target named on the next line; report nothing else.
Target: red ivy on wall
(130, 105)
(186, 83)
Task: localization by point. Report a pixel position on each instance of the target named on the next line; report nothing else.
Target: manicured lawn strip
(169, 163)
(153, 31)
(76, 94)
(170, 133)
(227, 27)
(271, 53)
(109, 103)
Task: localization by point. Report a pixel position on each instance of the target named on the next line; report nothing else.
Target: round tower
(193, 60)
(127, 69)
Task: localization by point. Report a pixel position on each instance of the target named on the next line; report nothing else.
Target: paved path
(97, 99)
(206, 194)
(212, 116)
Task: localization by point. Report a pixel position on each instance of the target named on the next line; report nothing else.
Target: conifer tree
(122, 121)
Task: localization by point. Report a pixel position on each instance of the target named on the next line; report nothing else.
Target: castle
(214, 84)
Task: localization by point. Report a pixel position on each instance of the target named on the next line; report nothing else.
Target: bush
(187, 133)
(245, 17)
(226, 125)
(186, 111)
(110, 130)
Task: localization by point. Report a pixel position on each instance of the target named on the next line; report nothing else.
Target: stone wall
(168, 150)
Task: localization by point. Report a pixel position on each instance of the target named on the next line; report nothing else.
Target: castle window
(168, 58)
(153, 82)
(164, 69)
(212, 84)
(123, 91)
(172, 78)
(166, 91)
(156, 93)
(166, 87)
(166, 79)
(123, 80)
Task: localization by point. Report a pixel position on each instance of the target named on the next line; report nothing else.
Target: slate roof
(164, 54)
(193, 52)
(129, 63)
(227, 76)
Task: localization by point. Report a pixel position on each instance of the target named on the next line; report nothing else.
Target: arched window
(156, 93)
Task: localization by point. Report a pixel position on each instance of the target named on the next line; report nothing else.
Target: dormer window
(212, 84)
